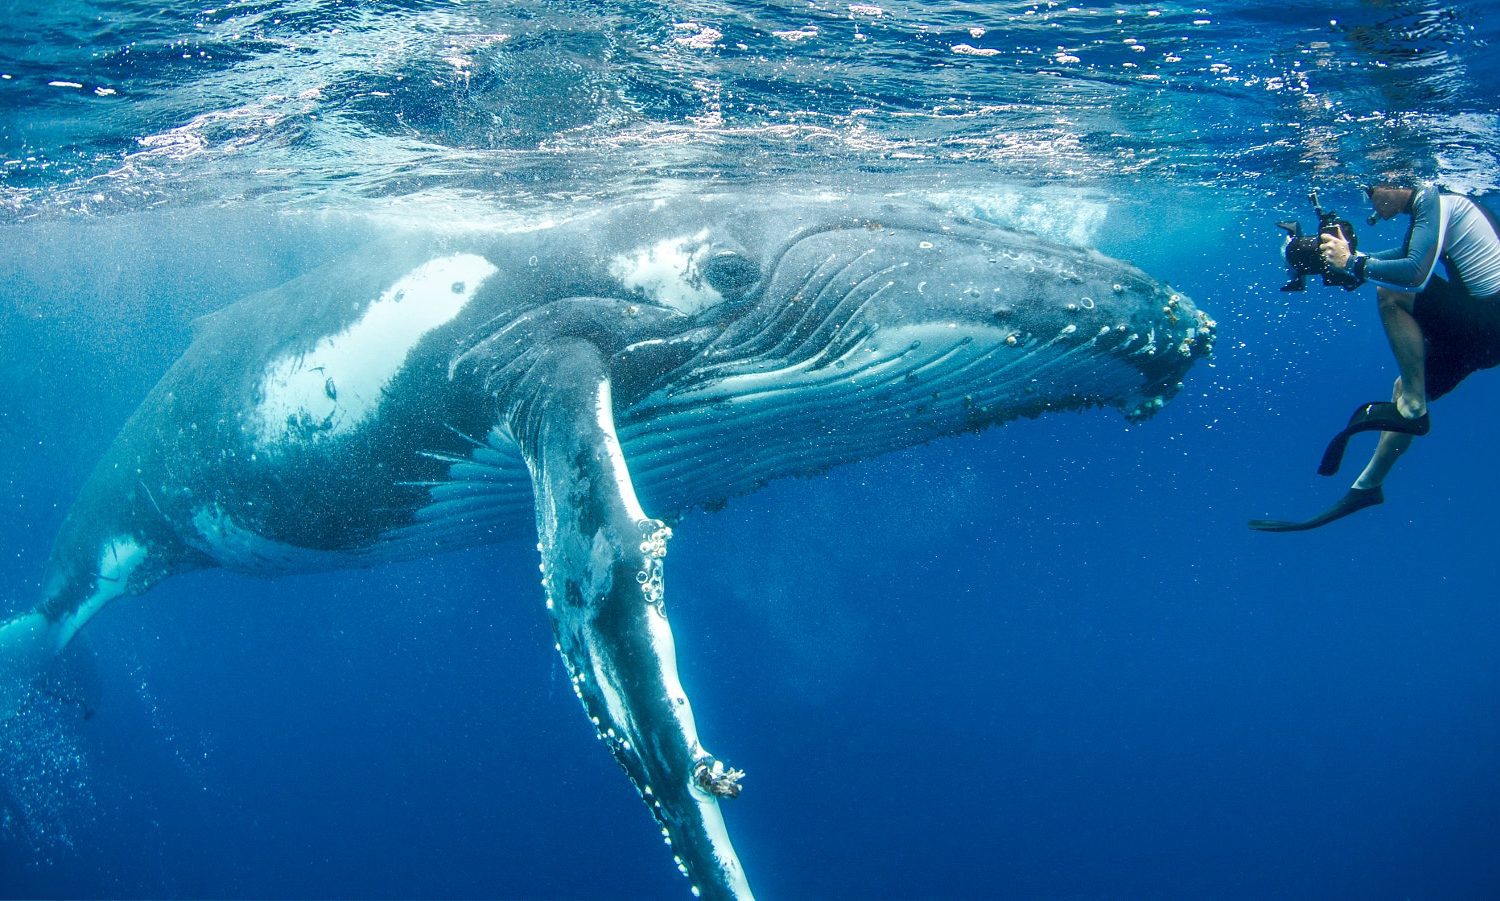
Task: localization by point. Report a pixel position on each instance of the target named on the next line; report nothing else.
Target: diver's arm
(1408, 268)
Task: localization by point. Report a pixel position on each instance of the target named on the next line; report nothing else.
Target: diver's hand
(1335, 250)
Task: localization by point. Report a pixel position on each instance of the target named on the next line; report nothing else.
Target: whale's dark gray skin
(654, 356)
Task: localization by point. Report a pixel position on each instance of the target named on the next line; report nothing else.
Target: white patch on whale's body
(669, 273)
(330, 390)
(118, 558)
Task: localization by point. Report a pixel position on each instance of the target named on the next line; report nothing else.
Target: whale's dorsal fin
(602, 569)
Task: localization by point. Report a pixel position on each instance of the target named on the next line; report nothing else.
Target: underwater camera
(1303, 257)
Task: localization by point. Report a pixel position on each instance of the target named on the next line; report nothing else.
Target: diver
(1440, 330)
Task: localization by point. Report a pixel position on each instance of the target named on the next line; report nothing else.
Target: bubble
(46, 793)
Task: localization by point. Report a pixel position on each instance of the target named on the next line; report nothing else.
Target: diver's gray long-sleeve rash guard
(1447, 227)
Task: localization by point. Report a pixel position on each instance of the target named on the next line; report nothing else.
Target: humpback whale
(581, 383)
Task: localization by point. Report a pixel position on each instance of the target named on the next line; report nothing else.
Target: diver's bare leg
(1405, 337)
(1392, 445)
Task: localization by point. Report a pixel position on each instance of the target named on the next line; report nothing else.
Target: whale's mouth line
(982, 365)
(806, 419)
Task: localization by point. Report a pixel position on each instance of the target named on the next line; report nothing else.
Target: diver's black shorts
(1462, 334)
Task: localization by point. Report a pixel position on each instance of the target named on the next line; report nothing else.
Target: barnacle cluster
(654, 535)
(713, 777)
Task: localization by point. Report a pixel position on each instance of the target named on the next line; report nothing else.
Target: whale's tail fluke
(28, 645)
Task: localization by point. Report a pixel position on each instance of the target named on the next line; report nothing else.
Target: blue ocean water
(1045, 661)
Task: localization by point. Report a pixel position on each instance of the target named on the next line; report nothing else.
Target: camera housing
(1304, 257)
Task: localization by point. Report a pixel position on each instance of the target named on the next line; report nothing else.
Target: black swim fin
(1381, 416)
(1355, 500)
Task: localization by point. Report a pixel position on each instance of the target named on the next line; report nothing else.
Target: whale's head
(837, 330)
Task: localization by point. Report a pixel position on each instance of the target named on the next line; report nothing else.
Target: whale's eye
(730, 274)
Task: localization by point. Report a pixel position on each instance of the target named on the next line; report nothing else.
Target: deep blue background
(1048, 661)
(1045, 661)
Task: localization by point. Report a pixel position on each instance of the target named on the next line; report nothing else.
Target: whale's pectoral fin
(602, 567)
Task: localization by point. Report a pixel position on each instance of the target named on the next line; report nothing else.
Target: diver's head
(1389, 199)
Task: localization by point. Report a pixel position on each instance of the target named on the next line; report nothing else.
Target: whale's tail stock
(100, 556)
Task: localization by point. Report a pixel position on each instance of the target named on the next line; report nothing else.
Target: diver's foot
(1355, 500)
(1411, 405)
